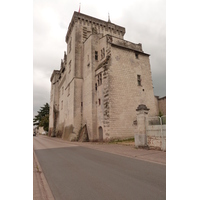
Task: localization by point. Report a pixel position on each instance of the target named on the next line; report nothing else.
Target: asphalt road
(75, 172)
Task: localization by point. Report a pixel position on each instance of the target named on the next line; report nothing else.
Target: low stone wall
(156, 136)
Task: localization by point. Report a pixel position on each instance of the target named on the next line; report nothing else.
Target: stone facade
(102, 80)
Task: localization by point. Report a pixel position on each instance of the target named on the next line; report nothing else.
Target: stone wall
(77, 105)
(124, 92)
(102, 97)
(156, 138)
(87, 86)
(54, 101)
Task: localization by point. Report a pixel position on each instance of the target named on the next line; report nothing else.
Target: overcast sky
(144, 20)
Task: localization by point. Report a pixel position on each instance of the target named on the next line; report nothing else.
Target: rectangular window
(99, 79)
(99, 102)
(136, 55)
(96, 55)
(139, 80)
(81, 107)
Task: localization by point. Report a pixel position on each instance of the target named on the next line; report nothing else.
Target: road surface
(76, 172)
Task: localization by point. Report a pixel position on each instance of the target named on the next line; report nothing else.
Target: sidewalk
(41, 190)
(129, 150)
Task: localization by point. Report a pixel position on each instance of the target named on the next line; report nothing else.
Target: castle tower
(83, 30)
(102, 80)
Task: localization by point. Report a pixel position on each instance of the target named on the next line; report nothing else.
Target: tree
(42, 118)
(45, 122)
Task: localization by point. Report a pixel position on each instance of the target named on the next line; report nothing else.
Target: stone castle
(101, 81)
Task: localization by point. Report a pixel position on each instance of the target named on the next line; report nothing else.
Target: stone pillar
(140, 136)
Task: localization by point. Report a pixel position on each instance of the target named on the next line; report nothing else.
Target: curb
(45, 191)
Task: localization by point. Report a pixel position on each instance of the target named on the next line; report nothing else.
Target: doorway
(100, 133)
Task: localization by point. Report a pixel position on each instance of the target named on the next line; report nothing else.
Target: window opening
(81, 106)
(100, 133)
(100, 79)
(139, 80)
(96, 55)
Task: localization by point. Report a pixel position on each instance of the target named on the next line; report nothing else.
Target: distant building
(101, 81)
(161, 105)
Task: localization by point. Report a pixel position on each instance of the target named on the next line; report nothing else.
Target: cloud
(148, 26)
